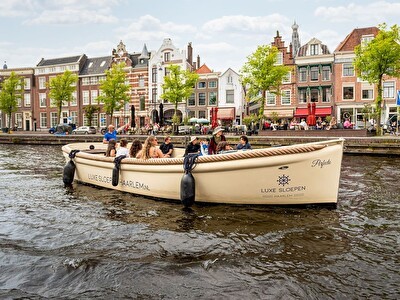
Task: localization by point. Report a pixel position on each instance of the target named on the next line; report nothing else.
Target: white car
(84, 130)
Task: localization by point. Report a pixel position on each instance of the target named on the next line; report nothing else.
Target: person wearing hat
(193, 146)
(216, 138)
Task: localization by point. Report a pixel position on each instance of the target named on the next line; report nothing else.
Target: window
(94, 95)
(202, 114)
(102, 63)
(202, 98)
(212, 84)
(230, 96)
(18, 119)
(19, 102)
(103, 120)
(202, 85)
(154, 95)
(64, 115)
(42, 99)
(167, 56)
(85, 81)
(43, 120)
(348, 70)
(212, 98)
(191, 100)
(27, 83)
(95, 120)
(154, 75)
(285, 98)
(365, 39)
(142, 103)
(42, 82)
(73, 102)
(326, 73)
(326, 94)
(303, 74)
(271, 98)
(229, 79)
(279, 58)
(287, 78)
(388, 89)
(85, 95)
(302, 96)
(314, 73)
(101, 93)
(314, 49)
(74, 117)
(141, 81)
(27, 100)
(367, 92)
(348, 93)
(53, 119)
(314, 95)
(94, 80)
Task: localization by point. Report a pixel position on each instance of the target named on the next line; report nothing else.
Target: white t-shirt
(122, 151)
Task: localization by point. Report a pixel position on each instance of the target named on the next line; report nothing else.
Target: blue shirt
(246, 146)
(110, 135)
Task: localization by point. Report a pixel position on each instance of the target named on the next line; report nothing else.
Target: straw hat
(218, 129)
(193, 138)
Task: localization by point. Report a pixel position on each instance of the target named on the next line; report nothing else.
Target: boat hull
(275, 176)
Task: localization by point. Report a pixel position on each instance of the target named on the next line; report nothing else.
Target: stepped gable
(96, 65)
(59, 61)
(354, 38)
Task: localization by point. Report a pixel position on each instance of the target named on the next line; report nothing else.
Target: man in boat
(243, 143)
(111, 134)
(167, 147)
(193, 146)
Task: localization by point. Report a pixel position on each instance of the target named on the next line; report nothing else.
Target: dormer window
(102, 63)
(314, 49)
(167, 56)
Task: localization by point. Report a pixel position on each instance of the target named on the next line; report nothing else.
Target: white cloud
(16, 8)
(374, 12)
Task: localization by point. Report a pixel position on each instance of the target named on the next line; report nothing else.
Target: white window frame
(286, 97)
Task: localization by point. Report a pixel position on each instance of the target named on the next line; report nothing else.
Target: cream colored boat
(288, 175)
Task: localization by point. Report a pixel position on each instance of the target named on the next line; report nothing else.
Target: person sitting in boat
(216, 138)
(167, 147)
(135, 148)
(150, 149)
(204, 146)
(111, 134)
(223, 147)
(111, 148)
(193, 146)
(243, 143)
(123, 149)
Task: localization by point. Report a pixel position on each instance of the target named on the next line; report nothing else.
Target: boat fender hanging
(69, 169)
(188, 191)
(115, 171)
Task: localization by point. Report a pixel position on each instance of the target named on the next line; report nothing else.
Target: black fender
(188, 190)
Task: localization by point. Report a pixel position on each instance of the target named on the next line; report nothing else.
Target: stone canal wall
(385, 145)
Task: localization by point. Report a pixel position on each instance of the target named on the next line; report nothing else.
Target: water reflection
(89, 242)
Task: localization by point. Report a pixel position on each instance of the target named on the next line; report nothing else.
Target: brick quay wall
(363, 145)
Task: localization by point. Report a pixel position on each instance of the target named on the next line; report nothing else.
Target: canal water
(93, 243)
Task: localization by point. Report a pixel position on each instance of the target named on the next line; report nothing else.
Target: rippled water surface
(88, 242)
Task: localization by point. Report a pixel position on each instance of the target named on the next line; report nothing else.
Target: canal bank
(371, 145)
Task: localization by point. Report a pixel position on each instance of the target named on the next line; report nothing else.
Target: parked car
(62, 128)
(85, 130)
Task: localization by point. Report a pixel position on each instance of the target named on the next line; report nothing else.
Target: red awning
(319, 111)
(226, 113)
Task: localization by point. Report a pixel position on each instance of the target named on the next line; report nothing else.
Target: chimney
(190, 53)
(198, 61)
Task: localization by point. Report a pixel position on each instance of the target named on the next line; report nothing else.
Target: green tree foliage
(261, 73)
(61, 88)
(178, 85)
(377, 59)
(90, 110)
(114, 90)
(11, 93)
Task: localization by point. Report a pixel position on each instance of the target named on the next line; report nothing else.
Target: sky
(222, 32)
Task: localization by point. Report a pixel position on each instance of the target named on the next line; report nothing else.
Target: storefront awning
(226, 113)
(319, 112)
(282, 113)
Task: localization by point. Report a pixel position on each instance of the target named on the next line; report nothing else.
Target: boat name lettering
(99, 178)
(134, 184)
(284, 190)
(320, 163)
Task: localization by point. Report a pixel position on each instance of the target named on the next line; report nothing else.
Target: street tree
(261, 73)
(178, 86)
(379, 59)
(114, 90)
(11, 93)
(90, 110)
(61, 90)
